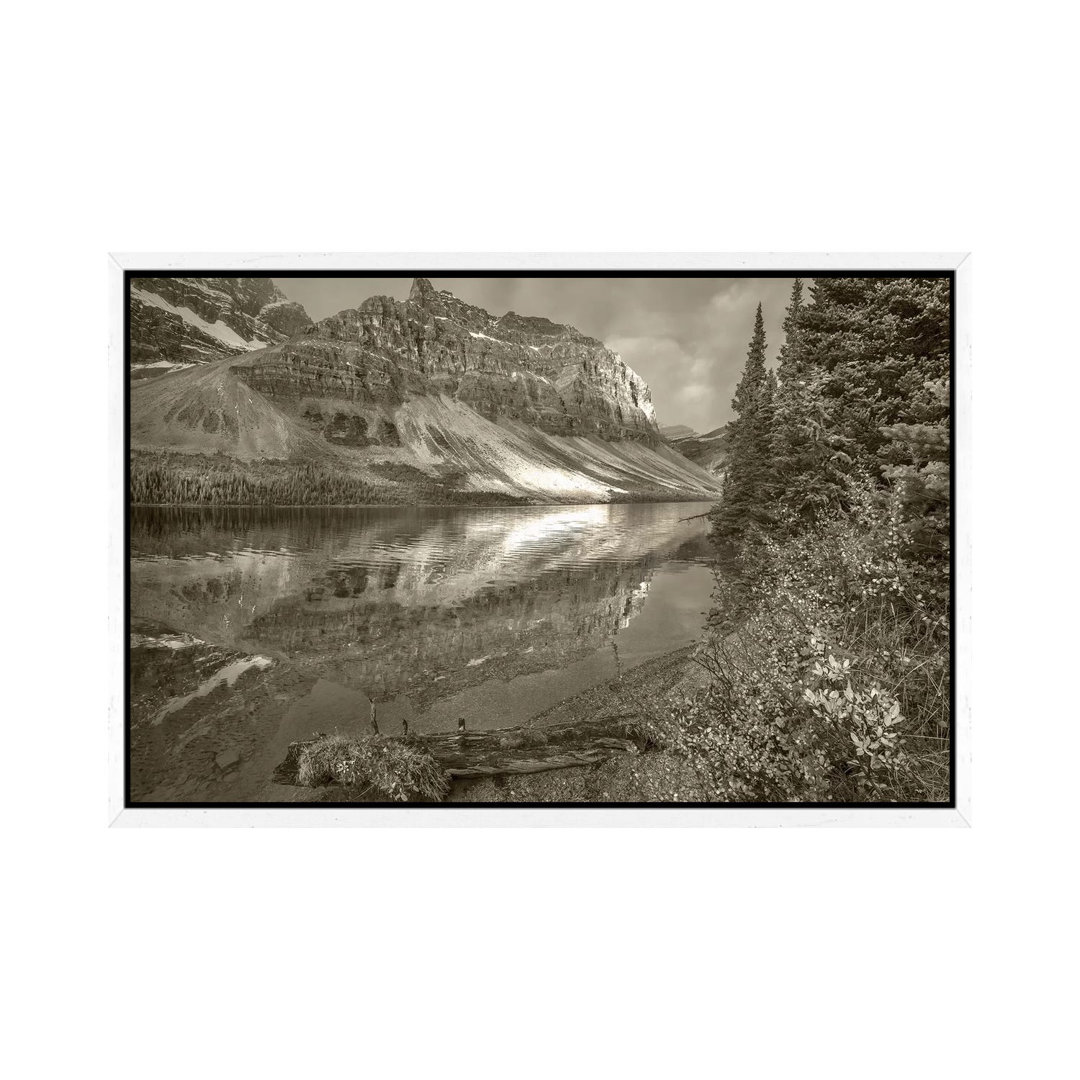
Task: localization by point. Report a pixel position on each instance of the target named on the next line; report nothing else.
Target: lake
(252, 628)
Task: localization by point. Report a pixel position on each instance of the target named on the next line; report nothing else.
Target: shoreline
(652, 678)
(622, 699)
(561, 754)
(401, 505)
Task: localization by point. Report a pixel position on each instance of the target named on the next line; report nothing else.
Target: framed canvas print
(539, 539)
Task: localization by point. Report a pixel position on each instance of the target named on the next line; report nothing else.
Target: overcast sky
(686, 337)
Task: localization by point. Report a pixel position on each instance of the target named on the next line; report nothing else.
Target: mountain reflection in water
(497, 612)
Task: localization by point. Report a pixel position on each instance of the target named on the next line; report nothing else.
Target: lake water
(255, 627)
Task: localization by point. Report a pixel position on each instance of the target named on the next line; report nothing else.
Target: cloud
(681, 382)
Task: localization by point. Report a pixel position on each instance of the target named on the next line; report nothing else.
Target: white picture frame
(508, 815)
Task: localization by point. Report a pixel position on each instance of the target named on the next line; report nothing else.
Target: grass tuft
(397, 769)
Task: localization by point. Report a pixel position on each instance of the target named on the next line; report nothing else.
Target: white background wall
(927, 126)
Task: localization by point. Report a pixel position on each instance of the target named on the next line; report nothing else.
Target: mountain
(671, 432)
(373, 359)
(709, 451)
(428, 394)
(180, 321)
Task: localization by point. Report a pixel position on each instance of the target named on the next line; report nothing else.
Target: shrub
(398, 769)
(828, 656)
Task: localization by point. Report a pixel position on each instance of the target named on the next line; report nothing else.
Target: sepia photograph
(553, 514)
(539, 539)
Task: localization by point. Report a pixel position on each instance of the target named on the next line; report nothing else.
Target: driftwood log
(505, 751)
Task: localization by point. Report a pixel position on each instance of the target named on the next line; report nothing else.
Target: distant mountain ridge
(709, 451)
(677, 431)
(432, 388)
(180, 321)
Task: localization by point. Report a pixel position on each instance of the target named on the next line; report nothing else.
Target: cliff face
(548, 376)
(177, 322)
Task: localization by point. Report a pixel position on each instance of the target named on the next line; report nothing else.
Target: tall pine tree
(793, 399)
(789, 360)
(748, 481)
(810, 458)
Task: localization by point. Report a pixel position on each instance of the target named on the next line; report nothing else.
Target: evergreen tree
(753, 376)
(748, 480)
(917, 457)
(810, 451)
(794, 407)
(863, 396)
(875, 341)
(789, 360)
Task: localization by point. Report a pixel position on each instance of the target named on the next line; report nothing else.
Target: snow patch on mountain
(225, 334)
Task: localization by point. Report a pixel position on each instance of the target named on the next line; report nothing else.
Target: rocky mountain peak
(510, 368)
(421, 290)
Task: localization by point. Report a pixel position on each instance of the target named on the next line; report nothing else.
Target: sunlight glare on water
(500, 612)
